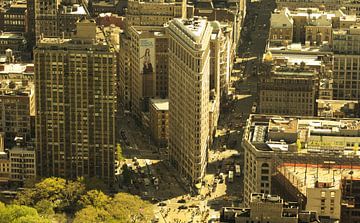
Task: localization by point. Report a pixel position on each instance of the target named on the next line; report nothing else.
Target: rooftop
(75, 9)
(194, 28)
(16, 88)
(16, 68)
(160, 104)
(323, 175)
(304, 134)
(330, 108)
(11, 35)
(283, 125)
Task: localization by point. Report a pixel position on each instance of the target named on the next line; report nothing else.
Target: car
(182, 201)
(162, 204)
(182, 207)
(154, 200)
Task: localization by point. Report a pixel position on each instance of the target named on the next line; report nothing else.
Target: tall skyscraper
(76, 104)
(189, 77)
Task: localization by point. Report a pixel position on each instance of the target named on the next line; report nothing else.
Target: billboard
(147, 56)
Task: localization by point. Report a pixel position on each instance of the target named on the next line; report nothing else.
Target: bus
(231, 176)
(237, 170)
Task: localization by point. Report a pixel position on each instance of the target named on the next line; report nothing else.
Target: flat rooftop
(160, 104)
(323, 175)
(193, 28)
(11, 35)
(16, 88)
(304, 134)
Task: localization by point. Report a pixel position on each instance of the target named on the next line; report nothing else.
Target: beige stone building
(75, 83)
(22, 163)
(153, 13)
(288, 92)
(328, 4)
(124, 71)
(338, 108)
(319, 185)
(149, 66)
(148, 17)
(54, 18)
(346, 72)
(269, 208)
(319, 31)
(189, 92)
(159, 121)
(281, 27)
(315, 25)
(17, 106)
(351, 7)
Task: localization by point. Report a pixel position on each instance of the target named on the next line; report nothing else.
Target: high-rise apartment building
(149, 65)
(189, 77)
(76, 104)
(346, 71)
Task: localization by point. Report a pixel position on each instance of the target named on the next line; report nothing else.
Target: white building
(189, 77)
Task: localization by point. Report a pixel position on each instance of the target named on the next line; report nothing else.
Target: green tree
(62, 194)
(91, 214)
(95, 199)
(45, 208)
(120, 156)
(129, 208)
(93, 183)
(20, 214)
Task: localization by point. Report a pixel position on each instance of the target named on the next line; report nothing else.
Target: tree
(45, 208)
(93, 183)
(131, 208)
(119, 152)
(95, 199)
(20, 214)
(91, 214)
(62, 194)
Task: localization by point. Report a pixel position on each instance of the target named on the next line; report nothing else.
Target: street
(146, 171)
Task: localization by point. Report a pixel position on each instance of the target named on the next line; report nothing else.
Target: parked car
(182, 201)
(182, 207)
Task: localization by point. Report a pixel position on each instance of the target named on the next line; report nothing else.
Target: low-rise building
(350, 207)
(270, 141)
(14, 17)
(268, 208)
(281, 27)
(17, 106)
(159, 121)
(318, 186)
(346, 70)
(14, 41)
(338, 108)
(329, 4)
(288, 91)
(22, 162)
